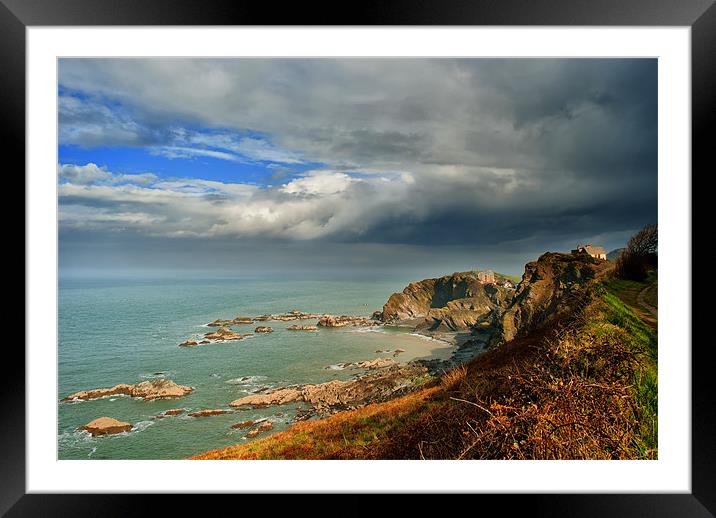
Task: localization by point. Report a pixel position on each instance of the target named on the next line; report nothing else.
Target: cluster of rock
(263, 329)
(291, 315)
(297, 327)
(345, 320)
(264, 427)
(223, 323)
(378, 385)
(377, 363)
(223, 334)
(148, 390)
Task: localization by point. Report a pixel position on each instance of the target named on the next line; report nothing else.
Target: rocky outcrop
(224, 334)
(548, 288)
(189, 343)
(378, 385)
(450, 303)
(377, 363)
(205, 413)
(232, 322)
(263, 329)
(105, 426)
(265, 427)
(167, 413)
(345, 320)
(296, 327)
(148, 390)
(291, 315)
(243, 424)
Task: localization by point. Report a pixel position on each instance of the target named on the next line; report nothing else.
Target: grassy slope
(588, 390)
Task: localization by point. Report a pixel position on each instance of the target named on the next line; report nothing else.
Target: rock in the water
(243, 424)
(345, 320)
(291, 315)
(263, 329)
(105, 426)
(205, 413)
(277, 397)
(302, 328)
(224, 334)
(397, 352)
(188, 343)
(168, 413)
(268, 425)
(234, 321)
(149, 390)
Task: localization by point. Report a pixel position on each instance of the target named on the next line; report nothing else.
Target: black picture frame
(700, 15)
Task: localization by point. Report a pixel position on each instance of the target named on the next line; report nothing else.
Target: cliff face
(545, 291)
(461, 302)
(450, 303)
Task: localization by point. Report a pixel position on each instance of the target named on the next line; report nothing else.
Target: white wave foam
(374, 329)
(245, 380)
(140, 426)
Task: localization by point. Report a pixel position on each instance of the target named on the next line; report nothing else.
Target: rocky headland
(450, 303)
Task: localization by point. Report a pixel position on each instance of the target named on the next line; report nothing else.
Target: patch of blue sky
(137, 160)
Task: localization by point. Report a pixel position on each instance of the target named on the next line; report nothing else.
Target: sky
(349, 166)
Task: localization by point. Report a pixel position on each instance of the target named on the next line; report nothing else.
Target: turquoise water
(126, 331)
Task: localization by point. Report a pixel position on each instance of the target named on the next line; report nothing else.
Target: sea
(127, 330)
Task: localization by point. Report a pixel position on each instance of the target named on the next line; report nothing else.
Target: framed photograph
(410, 251)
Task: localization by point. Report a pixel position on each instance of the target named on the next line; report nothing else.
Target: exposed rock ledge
(148, 390)
(301, 328)
(291, 315)
(377, 363)
(334, 396)
(206, 413)
(345, 320)
(105, 426)
(223, 334)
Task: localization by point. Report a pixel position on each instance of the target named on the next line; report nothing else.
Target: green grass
(641, 339)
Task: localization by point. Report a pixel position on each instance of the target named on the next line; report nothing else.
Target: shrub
(639, 256)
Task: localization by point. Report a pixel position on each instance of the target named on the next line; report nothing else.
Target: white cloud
(86, 174)
(91, 173)
(319, 182)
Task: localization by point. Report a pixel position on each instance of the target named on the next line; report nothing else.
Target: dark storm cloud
(421, 152)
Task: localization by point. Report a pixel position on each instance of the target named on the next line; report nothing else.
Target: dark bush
(639, 256)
